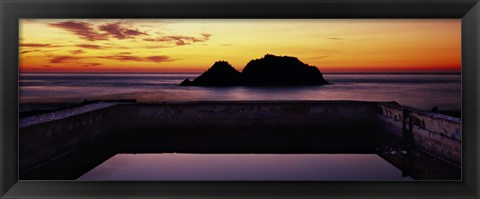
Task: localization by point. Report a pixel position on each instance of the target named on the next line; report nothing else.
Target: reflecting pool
(244, 167)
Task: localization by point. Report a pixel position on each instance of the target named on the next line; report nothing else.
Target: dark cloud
(83, 29)
(121, 57)
(180, 40)
(62, 59)
(82, 65)
(76, 52)
(89, 32)
(37, 45)
(91, 64)
(322, 57)
(206, 35)
(335, 38)
(28, 51)
(158, 58)
(110, 44)
(132, 32)
(89, 46)
(157, 46)
(118, 31)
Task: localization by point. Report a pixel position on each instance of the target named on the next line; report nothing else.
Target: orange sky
(193, 45)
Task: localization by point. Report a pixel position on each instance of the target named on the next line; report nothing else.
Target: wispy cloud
(29, 51)
(63, 59)
(94, 31)
(157, 46)
(91, 32)
(83, 29)
(121, 57)
(36, 45)
(322, 57)
(89, 46)
(180, 40)
(335, 38)
(77, 65)
(119, 31)
(76, 52)
(158, 58)
(91, 64)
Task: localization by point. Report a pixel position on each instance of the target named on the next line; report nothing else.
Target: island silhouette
(270, 70)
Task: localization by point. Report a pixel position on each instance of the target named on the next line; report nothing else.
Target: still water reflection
(206, 167)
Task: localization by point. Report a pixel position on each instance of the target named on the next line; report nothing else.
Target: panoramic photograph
(240, 99)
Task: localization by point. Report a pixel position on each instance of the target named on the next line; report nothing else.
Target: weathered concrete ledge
(62, 114)
(437, 134)
(49, 138)
(248, 114)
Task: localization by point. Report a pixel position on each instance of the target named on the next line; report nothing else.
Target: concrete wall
(54, 137)
(248, 114)
(437, 134)
(46, 137)
(41, 142)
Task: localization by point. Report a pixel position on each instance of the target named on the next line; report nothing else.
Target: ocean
(420, 91)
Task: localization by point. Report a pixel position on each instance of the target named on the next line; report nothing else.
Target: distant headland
(270, 70)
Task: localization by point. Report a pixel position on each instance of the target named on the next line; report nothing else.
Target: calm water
(244, 167)
(421, 91)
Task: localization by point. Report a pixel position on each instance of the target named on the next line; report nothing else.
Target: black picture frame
(12, 10)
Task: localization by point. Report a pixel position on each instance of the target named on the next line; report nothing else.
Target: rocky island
(220, 74)
(270, 70)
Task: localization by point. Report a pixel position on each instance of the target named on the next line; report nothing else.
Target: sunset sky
(193, 45)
